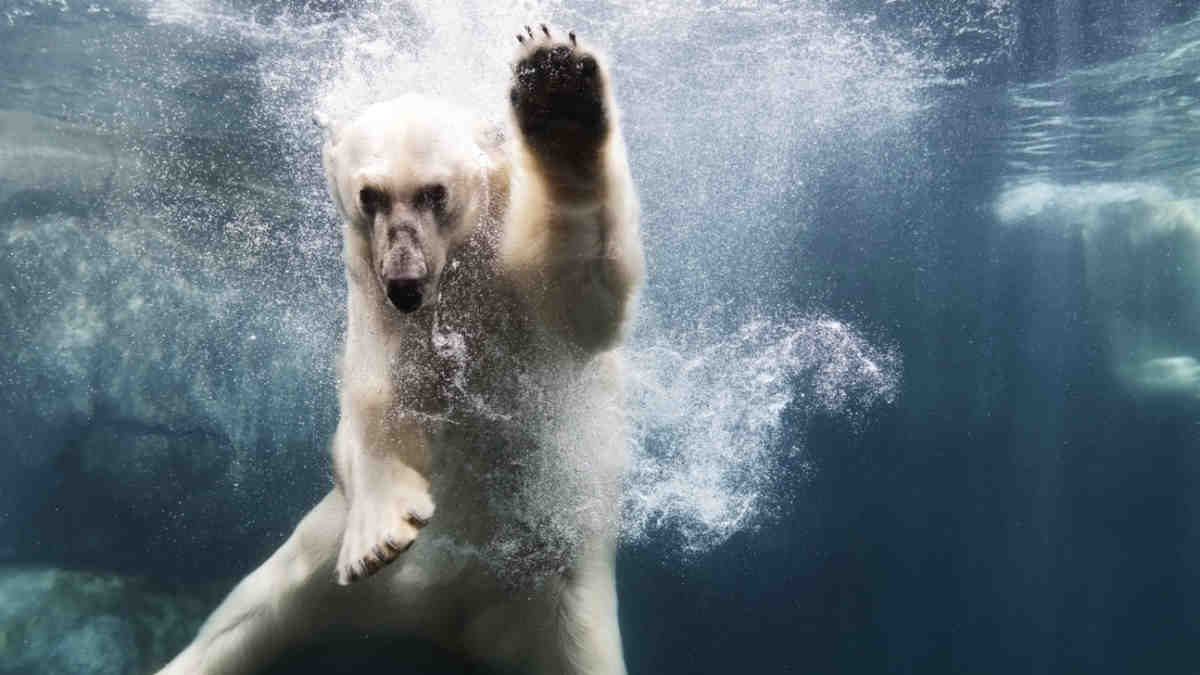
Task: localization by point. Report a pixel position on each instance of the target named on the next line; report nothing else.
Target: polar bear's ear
(492, 142)
(327, 125)
(491, 139)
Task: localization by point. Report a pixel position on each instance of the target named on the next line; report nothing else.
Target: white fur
(499, 399)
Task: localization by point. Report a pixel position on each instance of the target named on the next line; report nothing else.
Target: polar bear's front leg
(571, 239)
(376, 458)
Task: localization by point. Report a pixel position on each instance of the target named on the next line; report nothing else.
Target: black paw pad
(557, 94)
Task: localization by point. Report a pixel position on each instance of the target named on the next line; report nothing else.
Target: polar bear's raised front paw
(558, 95)
(379, 527)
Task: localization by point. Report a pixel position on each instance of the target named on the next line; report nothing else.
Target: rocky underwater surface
(133, 425)
(62, 621)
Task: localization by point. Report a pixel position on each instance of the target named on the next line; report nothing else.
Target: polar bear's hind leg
(281, 602)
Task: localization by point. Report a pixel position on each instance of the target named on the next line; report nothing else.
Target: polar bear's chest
(527, 464)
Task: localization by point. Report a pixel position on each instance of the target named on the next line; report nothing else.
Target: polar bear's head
(410, 181)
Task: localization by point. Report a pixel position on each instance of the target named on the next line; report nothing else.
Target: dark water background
(170, 294)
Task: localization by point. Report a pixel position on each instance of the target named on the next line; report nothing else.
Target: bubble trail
(710, 456)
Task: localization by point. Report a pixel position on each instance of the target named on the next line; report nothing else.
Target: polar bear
(490, 277)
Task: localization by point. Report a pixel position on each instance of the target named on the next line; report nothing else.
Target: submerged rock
(56, 621)
(156, 397)
(170, 300)
(161, 376)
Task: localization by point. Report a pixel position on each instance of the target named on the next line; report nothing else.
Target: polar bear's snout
(405, 295)
(405, 265)
(405, 274)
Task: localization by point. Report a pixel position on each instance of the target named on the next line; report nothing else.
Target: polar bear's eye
(431, 197)
(373, 200)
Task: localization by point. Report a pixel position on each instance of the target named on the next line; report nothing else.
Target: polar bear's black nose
(404, 294)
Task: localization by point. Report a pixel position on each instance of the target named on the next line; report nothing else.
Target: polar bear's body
(489, 281)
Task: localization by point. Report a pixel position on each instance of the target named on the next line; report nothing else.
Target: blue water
(915, 376)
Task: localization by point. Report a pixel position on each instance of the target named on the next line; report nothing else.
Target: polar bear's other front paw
(379, 527)
(558, 95)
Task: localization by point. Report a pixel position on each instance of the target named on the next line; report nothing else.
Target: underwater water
(914, 381)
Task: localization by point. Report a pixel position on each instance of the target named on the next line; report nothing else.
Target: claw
(530, 31)
(587, 65)
(572, 36)
(545, 30)
(520, 38)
